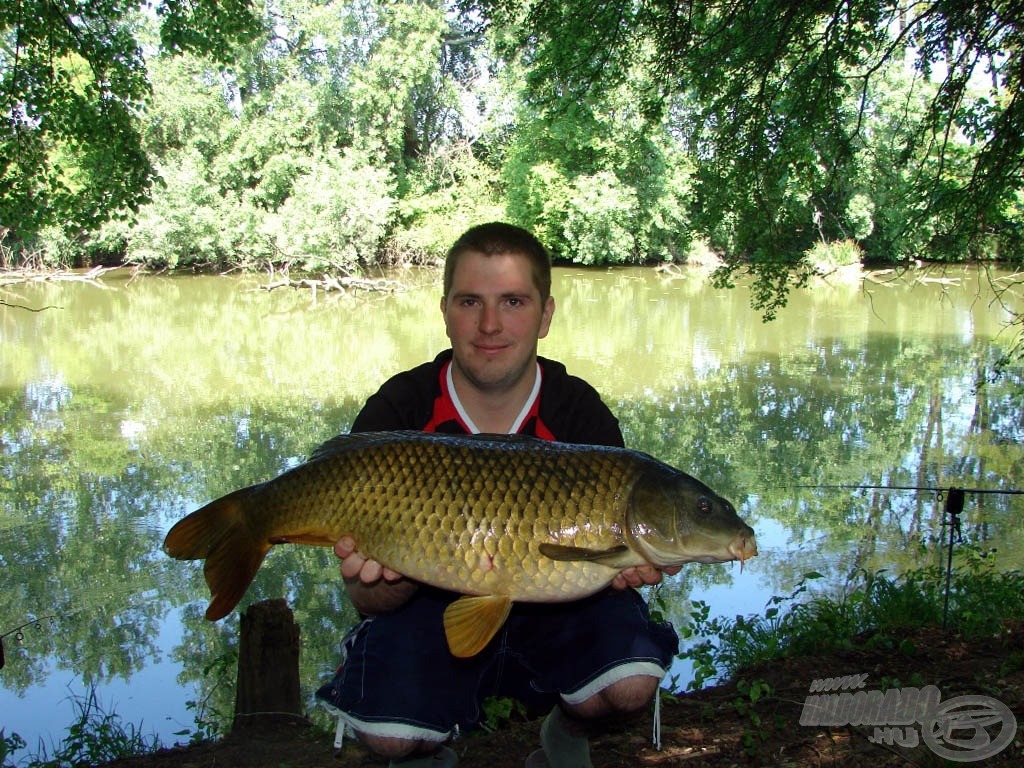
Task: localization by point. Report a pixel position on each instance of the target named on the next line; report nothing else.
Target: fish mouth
(743, 547)
(707, 549)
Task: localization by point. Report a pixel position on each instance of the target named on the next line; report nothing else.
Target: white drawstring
(656, 735)
(339, 734)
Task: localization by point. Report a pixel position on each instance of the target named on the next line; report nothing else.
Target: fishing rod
(930, 488)
(37, 623)
(19, 636)
(954, 497)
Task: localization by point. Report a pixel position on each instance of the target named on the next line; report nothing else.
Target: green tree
(598, 175)
(72, 82)
(778, 104)
(450, 188)
(302, 146)
(343, 222)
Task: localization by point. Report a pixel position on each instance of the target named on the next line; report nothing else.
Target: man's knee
(392, 748)
(623, 697)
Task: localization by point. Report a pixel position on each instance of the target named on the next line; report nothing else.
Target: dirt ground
(724, 726)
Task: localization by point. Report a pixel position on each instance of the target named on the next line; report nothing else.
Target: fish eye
(704, 505)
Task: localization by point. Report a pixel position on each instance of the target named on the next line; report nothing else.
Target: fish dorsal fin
(471, 622)
(346, 442)
(619, 556)
(501, 437)
(350, 442)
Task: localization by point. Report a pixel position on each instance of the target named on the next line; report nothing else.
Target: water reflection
(126, 406)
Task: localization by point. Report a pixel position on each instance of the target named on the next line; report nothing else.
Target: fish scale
(503, 518)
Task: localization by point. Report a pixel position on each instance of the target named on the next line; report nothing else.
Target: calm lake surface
(128, 403)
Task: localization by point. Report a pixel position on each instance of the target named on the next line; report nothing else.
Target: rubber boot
(560, 747)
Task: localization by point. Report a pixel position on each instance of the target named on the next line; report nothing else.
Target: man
(600, 658)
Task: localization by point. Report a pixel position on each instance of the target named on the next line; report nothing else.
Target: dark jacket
(569, 409)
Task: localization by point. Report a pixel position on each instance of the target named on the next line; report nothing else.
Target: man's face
(494, 317)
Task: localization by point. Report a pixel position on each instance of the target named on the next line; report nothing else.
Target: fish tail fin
(219, 532)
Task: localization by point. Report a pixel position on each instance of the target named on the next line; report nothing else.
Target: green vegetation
(331, 135)
(9, 745)
(875, 613)
(870, 121)
(96, 737)
(501, 710)
(214, 710)
(74, 85)
(880, 613)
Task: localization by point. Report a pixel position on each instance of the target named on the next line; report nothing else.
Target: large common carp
(498, 518)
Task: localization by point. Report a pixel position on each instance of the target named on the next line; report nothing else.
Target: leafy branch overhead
(73, 84)
(797, 113)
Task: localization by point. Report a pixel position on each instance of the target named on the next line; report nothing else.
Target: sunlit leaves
(207, 26)
(72, 84)
(898, 125)
(402, 63)
(344, 222)
(294, 155)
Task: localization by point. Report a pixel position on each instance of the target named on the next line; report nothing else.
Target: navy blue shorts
(399, 680)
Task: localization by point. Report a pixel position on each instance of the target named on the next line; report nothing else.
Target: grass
(95, 737)
(980, 600)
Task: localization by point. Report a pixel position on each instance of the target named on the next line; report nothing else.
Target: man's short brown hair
(496, 238)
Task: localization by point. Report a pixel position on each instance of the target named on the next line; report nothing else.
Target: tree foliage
(596, 173)
(900, 125)
(295, 153)
(330, 133)
(73, 82)
(791, 95)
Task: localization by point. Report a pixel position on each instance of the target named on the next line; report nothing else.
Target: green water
(129, 402)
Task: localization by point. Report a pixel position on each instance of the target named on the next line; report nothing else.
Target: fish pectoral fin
(619, 556)
(471, 622)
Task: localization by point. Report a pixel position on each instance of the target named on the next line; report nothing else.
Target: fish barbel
(499, 518)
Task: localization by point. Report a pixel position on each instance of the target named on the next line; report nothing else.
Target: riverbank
(755, 720)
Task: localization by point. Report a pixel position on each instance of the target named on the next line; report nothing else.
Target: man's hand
(354, 565)
(372, 588)
(639, 575)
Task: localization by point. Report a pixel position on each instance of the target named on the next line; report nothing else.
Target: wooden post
(268, 667)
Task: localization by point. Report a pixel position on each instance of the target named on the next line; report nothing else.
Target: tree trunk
(268, 667)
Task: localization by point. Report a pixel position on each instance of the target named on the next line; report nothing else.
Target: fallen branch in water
(26, 275)
(343, 284)
(27, 308)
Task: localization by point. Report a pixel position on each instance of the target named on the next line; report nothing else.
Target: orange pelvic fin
(219, 532)
(471, 622)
